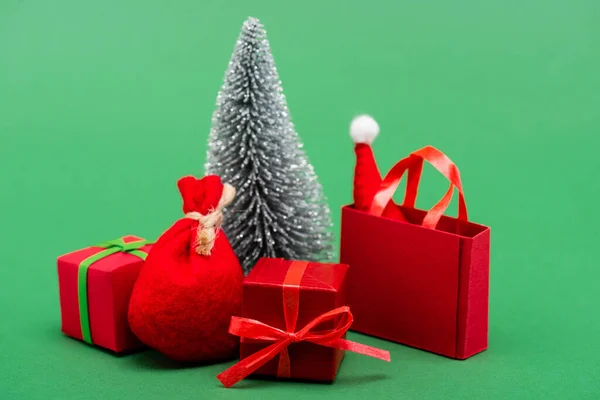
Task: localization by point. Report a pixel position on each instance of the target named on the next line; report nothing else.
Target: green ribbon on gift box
(111, 247)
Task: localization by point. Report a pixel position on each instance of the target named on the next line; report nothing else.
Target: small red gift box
(95, 286)
(294, 321)
(430, 270)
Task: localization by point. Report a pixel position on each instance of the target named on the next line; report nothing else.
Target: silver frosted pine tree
(279, 209)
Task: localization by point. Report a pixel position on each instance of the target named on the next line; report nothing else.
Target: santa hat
(367, 179)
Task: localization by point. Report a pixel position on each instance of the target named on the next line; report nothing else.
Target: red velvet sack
(418, 278)
(191, 283)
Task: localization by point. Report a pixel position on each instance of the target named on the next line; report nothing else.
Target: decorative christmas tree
(280, 209)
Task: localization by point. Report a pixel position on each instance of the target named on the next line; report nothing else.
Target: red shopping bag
(419, 278)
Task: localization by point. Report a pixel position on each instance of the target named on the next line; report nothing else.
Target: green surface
(105, 104)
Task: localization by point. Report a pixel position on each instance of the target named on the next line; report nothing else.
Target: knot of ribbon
(209, 224)
(257, 330)
(294, 337)
(119, 245)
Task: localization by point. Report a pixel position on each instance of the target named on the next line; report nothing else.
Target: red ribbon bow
(253, 329)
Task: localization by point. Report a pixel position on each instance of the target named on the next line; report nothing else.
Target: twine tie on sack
(209, 224)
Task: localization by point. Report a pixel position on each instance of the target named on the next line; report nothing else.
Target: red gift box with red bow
(293, 322)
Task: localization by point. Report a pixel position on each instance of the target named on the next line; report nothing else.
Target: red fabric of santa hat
(367, 179)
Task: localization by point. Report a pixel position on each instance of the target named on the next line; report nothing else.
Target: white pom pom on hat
(364, 129)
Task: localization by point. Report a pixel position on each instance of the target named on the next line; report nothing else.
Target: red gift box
(427, 272)
(95, 286)
(294, 321)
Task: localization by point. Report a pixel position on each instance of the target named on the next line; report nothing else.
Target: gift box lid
(318, 276)
(107, 264)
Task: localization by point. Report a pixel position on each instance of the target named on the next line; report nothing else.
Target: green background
(105, 104)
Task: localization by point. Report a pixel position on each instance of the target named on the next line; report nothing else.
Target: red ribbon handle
(414, 164)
